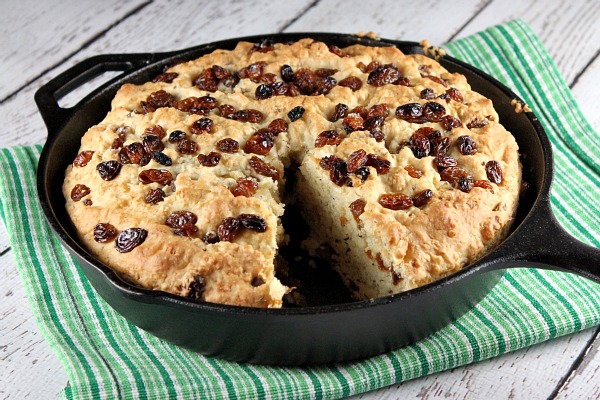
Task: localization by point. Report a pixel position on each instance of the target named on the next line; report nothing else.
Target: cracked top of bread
(403, 171)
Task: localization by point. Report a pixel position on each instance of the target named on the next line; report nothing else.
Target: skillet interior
(320, 334)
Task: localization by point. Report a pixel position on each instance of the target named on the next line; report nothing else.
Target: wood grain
(584, 381)
(569, 30)
(28, 367)
(66, 38)
(437, 21)
(530, 373)
(27, 34)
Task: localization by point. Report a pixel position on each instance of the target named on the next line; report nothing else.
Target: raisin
(197, 105)
(207, 81)
(159, 99)
(108, 170)
(356, 160)
(458, 178)
(422, 198)
(154, 196)
(449, 122)
(252, 222)
(186, 146)
(493, 172)
(263, 46)
(183, 223)
(427, 94)
(203, 125)
(166, 77)
(245, 187)
(395, 201)
(277, 126)
(117, 143)
(357, 207)
(252, 71)
(373, 65)
(327, 162)
(227, 111)
(129, 239)
(363, 173)
(228, 145)
(196, 288)
(287, 73)
(104, 232)
(444, 161)
(228, 229)
(268, 78)
(176, 136)
(210, 238)
(279, 88)
(326, 138)
(262, 168)
(411, 112)
(413, 172)
(436, 80)
(136, 153)
(155, 130)
(162, 158)
(381, 165)
(87, 202)
(477, 123)
(337, 51)
(482, 183)
(339, 112)
(257, 281)
(79, 191)
(353, 122)
(231, 80)
(338, 173)
(374, 122)
(209, 160)
(253, 116)
(263, 91)
(83, 158)
(351, 82)
(377, 134)
(419, 144)
(152, 143)
(455, 95)
(220, 72)
(296, 113)
(439, 145)
(433, 111)
(466, 145)
(161, 176)
(259, 143)
(386, 74)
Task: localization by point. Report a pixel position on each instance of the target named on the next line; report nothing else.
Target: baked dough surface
(377, 252)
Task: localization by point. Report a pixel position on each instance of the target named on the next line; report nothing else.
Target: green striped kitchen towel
(106, 357)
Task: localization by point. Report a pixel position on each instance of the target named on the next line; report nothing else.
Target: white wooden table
(38, 40)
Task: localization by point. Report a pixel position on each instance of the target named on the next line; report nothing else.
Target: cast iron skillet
(322, 333)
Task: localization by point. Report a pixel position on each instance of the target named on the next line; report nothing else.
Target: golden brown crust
(393, 250)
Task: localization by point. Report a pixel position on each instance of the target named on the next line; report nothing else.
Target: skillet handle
(48, 95)
(542, 241)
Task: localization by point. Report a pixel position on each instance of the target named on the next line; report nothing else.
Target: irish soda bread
(400, 169)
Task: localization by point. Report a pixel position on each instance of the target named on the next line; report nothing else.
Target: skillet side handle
(541, 240)
(47, 96)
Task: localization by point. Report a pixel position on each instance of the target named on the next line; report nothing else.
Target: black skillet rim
(153, 296)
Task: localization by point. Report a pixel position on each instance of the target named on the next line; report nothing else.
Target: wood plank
(569, 30)
(28, 35)
(585, 91)
(152, 33)
(433, 20)
(583, 383)
(23, 351)
(530, 373)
